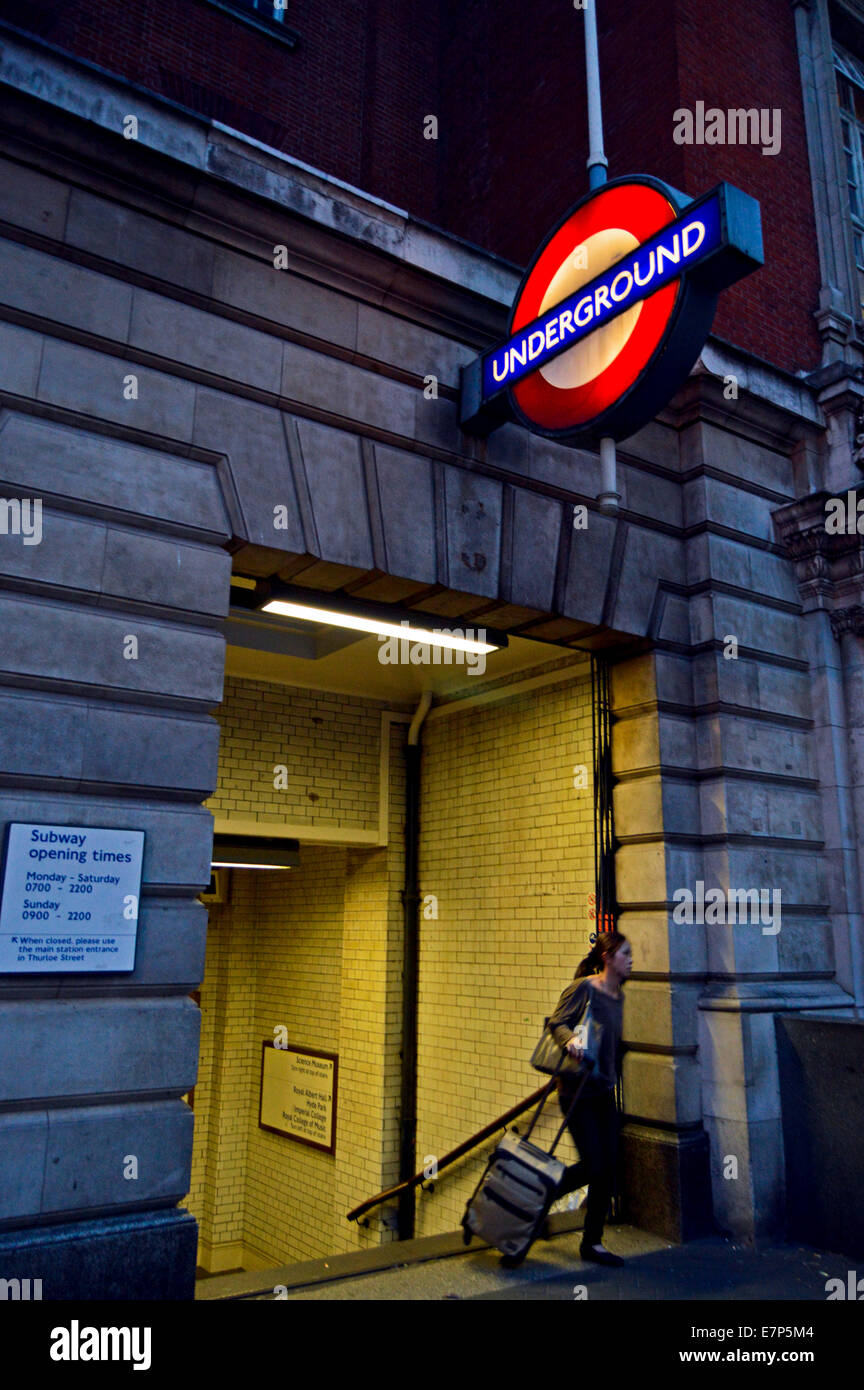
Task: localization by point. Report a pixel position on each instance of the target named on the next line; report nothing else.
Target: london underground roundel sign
(613, 310)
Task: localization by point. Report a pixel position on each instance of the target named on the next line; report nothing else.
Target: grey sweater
(609, 1014)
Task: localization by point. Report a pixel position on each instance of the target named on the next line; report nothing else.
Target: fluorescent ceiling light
(358, 623)
(226, 864)
(254, 852)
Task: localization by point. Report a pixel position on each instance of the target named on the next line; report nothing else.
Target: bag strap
(589, 1065)
(543, 1100)
(547, 1093)
(583, 1015)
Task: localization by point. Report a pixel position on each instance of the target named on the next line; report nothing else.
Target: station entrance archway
(314, 724)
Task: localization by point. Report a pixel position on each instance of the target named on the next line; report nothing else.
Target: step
(393, 1255)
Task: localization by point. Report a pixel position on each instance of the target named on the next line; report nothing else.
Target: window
(850, 93)
(264, 9)
(266, 15)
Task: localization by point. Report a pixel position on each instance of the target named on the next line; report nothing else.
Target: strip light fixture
(254, 852)
(293, 602)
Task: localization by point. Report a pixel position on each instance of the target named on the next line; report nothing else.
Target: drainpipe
(597, 162)
(410, 970)
(609, 496)
(598, 165)
(837, 718)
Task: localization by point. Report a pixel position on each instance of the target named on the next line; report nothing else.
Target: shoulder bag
(549, 1057)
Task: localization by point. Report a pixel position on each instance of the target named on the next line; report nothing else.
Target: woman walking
(593, 1124)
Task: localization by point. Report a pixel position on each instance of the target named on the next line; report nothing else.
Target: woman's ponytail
(607, 943)
(590, 964)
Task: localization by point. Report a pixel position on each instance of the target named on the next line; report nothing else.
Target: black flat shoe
(600, 1257)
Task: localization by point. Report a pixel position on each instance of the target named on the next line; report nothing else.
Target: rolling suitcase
(513, 1197)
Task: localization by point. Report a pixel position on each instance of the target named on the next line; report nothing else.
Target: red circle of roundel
(641, 210)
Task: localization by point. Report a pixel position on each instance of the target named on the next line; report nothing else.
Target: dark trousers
(593, 1127)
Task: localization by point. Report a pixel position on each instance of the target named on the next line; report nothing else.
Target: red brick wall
(513, 93)
(518, 156)
(743, 54)
(506, 81)
(350, 99)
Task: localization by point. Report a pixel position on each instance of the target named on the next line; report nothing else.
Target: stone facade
(167, 392)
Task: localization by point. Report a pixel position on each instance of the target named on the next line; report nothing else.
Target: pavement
(714, 1269)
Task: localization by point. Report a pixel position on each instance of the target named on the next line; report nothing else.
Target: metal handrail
(451, 1157)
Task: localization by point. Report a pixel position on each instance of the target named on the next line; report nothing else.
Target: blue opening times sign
(696, 235)
(70, 898)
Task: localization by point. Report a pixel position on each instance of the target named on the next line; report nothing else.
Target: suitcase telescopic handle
(589, 1064)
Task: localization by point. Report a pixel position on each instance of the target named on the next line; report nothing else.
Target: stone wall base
(235, 1254)
(666, 1182)
(821, 1063)
(140, 1255)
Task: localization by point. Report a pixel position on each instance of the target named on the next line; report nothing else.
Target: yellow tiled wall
(507, 855)
(297, 969)
(223, 1098)
(369, 1080)
(327, 744)
(316, 949)
(507, 849)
